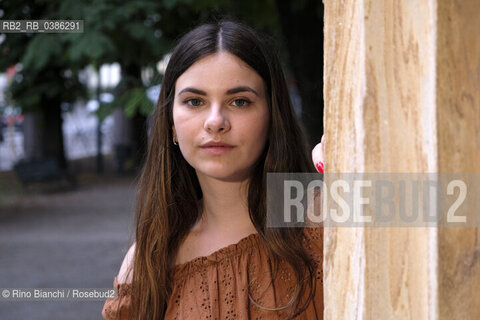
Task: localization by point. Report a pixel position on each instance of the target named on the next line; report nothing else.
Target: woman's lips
(217, 149)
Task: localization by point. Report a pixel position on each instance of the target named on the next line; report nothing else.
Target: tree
(47, 77)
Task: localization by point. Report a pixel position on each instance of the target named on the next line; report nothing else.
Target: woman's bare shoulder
(125, 273)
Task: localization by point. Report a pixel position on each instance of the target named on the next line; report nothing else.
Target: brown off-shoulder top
(234, 282)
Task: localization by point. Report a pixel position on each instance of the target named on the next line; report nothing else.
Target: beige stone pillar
(402, 94)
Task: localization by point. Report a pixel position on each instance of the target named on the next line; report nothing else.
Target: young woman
(203, 250)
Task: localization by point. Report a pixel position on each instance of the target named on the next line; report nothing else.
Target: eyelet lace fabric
(235, 282)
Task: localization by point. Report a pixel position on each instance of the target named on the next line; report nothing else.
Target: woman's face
(220, 99)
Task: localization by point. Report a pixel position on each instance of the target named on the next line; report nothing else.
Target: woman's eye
(194, 102)
(241, 102)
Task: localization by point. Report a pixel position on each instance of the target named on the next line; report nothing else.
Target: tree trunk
(43, 133)
(139, 136)
(131, 74)
(32, 135)
(52, 132)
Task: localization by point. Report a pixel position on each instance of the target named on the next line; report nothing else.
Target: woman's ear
(174, 133)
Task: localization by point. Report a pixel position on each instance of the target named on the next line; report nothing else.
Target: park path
(73, 239)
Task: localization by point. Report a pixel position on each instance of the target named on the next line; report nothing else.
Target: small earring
(174, 142)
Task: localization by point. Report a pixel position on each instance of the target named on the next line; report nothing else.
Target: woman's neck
(224, 219)
(225, 207)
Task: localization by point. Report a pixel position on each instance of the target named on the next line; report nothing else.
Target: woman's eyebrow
(241, 89)
(229, 91)
(192, 90)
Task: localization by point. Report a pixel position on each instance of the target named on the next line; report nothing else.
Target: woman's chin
(223, 174)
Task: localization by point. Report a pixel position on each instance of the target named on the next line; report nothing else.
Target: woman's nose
(217, 120)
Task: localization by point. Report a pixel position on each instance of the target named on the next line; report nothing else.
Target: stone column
(402, 94)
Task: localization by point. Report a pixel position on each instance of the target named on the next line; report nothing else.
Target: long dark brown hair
(169, 191)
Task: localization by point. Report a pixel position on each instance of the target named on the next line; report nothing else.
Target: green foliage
(132, 100)
(121, 31)
(42, 50)
(136, 100)
(91, 47)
